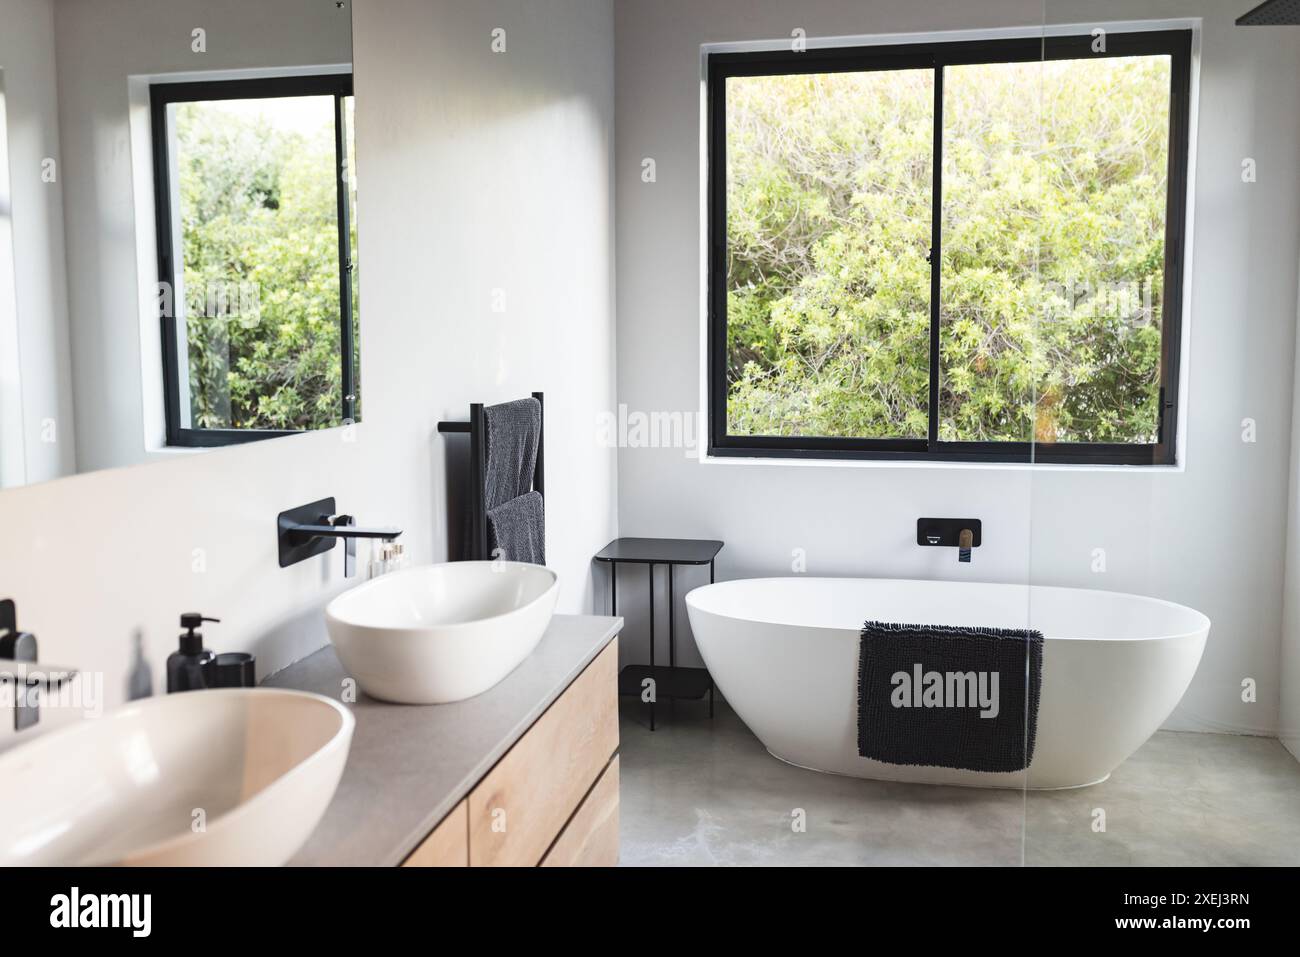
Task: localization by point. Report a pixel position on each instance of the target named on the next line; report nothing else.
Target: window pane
(828, 227)
(258, 301)
(1055, 178)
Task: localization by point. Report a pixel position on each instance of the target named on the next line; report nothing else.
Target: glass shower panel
(1165, 341)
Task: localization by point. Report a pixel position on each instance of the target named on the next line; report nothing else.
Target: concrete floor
(706, 793)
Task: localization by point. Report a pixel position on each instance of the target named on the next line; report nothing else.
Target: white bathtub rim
(1202, 628)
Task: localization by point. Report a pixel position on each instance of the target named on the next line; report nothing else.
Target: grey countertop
(411, 764)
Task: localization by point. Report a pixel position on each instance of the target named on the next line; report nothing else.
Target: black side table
(670, 682)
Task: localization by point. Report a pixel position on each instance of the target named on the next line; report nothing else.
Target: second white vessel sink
(226, 777)
(441, 633)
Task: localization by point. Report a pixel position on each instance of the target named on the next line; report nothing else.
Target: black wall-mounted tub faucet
(962, 534)
(313, 529)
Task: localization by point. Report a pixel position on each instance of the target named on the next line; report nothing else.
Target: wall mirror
(178, 229)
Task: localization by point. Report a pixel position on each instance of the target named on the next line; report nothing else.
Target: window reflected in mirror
(257, 252)
(178, 229)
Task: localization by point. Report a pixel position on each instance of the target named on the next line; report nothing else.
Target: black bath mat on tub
(948, 696)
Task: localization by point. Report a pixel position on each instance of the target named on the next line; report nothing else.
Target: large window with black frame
(949, 251)
(255, 193)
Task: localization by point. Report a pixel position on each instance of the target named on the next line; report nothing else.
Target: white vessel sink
(441, 633)
(226, 777)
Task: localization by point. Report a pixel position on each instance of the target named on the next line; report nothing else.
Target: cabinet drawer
(447, 845)
(517, 810)
(591, 837)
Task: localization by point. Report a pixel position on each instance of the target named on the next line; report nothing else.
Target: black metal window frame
(161, 95)
(1177, 44)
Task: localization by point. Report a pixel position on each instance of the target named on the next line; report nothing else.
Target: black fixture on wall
(946, 532)
(962, 534)
(476, 428)
(314, 528)
(19, 648)
(1272, 13)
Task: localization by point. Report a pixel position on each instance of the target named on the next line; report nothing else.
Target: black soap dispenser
(185, 667)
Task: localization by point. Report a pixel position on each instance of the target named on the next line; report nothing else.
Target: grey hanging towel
(949, 697)
(518, 528)
(513, 429)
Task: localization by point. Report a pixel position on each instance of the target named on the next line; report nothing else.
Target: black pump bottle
(185, 667)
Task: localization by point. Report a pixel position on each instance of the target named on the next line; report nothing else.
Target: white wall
(476, 171)
(40, 280)
(1211, 536)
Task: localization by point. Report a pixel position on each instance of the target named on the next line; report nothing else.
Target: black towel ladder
(477, 429)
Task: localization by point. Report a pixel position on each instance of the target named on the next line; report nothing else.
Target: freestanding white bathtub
(784, 653)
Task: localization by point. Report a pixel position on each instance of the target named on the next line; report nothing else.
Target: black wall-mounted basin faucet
(18, 666)
(314, 528)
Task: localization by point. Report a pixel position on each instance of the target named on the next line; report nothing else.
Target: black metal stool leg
(672, 641)
(654, 694)
(672, 634)
(613, 589)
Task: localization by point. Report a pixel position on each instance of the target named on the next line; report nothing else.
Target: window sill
(769, 462)
(177, 450)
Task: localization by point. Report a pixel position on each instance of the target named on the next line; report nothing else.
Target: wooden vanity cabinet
(552, 799)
